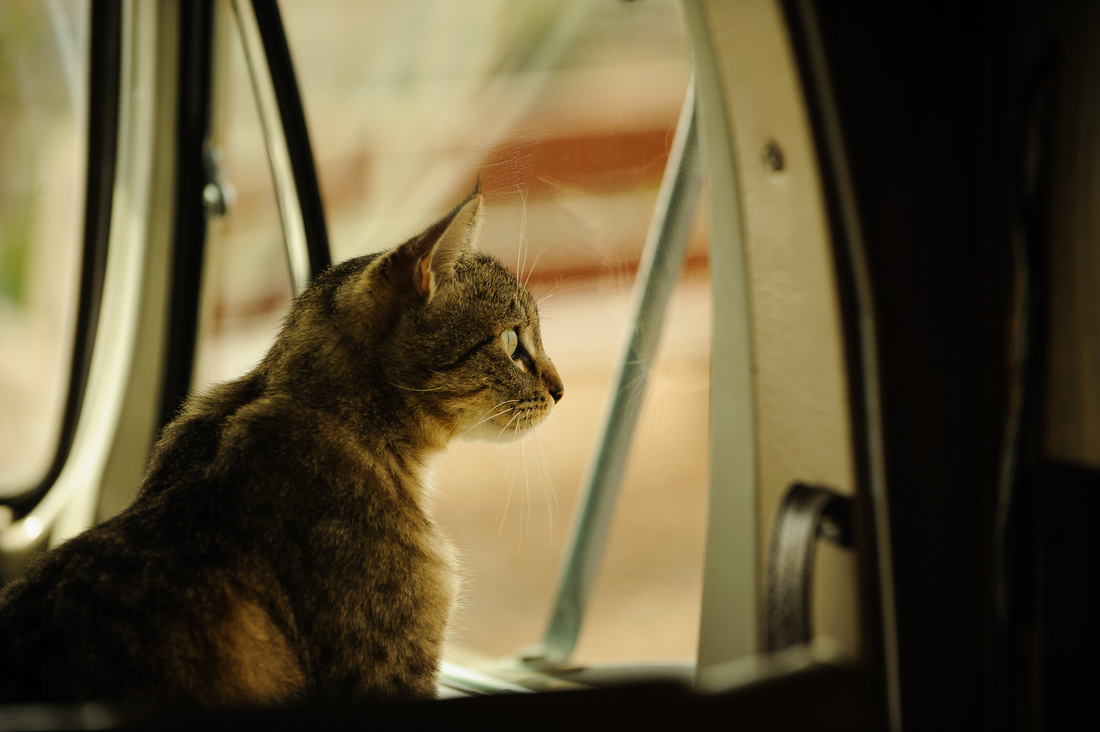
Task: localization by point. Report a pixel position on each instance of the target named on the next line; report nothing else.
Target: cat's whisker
(545, 465)
(491, 416)
(485, 419)
(639, 379)
(508, 480)
(634, 401)
(559, 279)
(507, 465)
(526, 481)
(521, 254)
(507, 502)
(527, 279)
(526, 491)
(508, 499)
(505, 428)
(547, 484)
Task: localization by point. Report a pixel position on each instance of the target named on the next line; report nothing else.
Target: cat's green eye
(510, 341)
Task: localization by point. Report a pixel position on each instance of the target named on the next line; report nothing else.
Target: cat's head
(446, 332)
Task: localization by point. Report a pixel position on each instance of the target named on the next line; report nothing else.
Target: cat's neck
(385, 421)
(320, 366)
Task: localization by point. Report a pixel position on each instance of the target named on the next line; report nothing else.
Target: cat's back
(338, 509)
(267, 548)
(169, 600)
(116, 615)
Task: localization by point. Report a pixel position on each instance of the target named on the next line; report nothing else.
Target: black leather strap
(805, 513)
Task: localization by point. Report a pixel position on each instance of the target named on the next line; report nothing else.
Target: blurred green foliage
(34, 98)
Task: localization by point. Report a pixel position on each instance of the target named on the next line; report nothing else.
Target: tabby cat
(279, 548)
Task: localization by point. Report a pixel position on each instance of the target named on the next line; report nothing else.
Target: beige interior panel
(802, 409)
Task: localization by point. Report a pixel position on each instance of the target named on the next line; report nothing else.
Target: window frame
(101, 155)
(130, 219)
(290, 154)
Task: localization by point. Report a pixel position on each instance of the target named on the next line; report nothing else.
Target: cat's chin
(488, 432)
(491, 433)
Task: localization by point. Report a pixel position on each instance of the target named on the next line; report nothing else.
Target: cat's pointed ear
(436, 263)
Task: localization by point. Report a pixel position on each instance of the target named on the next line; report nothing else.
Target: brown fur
(279, 547)
(252, 658)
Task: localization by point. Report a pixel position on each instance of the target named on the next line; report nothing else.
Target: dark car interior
(892, 211)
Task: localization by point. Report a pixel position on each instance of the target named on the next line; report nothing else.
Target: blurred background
(566, 111)
(43, 139)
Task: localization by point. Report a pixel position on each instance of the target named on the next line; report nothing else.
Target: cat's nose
(553, 382)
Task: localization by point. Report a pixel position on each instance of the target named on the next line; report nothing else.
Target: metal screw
(218, 194)
(772, 157)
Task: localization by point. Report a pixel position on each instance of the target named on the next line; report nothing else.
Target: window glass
(246, 281)
(566, 111)
(43, 139)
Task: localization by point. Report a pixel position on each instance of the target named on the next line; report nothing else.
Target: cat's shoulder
(286, 434)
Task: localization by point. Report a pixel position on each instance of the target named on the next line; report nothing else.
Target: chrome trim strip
(278, 154)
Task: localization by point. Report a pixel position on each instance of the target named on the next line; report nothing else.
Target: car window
(246, 281)
(43, 136)
(566, 112)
